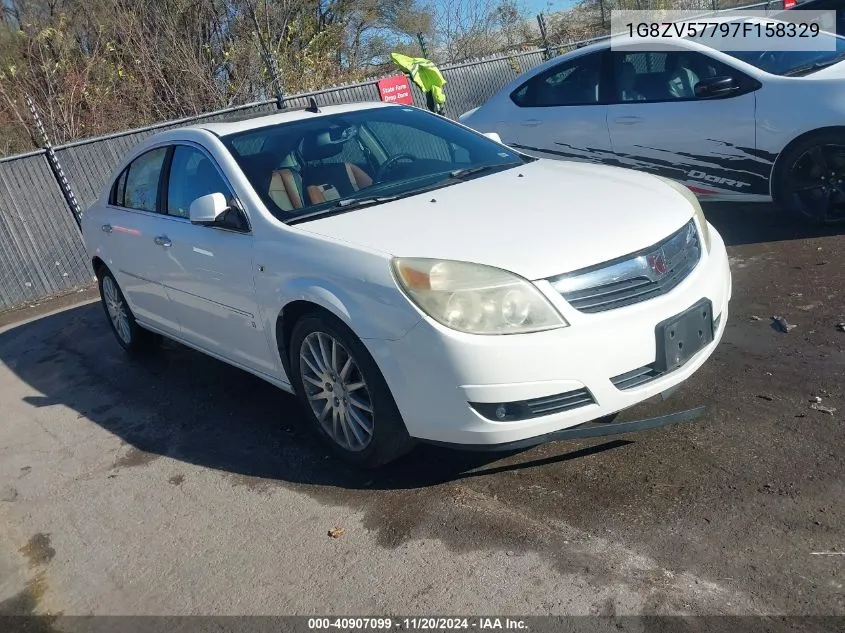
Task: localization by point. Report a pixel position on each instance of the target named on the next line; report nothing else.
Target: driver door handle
(107, 228)
(163, 240)
(628, 120)
(530, 122)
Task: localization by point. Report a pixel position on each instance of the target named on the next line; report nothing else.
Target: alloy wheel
(817, 182)
(116, 309)
(336, 391)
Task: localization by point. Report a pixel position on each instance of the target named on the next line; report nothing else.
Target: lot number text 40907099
(420, 623)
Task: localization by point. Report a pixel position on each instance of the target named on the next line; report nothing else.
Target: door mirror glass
(493, 136)
(715, 87)
(208, 209)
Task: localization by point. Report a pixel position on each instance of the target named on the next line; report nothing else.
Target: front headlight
(696, 205)
(475, 299)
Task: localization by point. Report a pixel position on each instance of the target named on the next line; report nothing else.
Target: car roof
(225, 128)
(753, 19)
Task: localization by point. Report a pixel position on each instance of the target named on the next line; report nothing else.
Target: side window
(575, 82)
(118, 190)
(351, 153)
(192, 175)
(665, 75)
(402, 139)
(141, 188)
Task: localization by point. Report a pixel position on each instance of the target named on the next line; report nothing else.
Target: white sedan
(409, 278)
(749, 125)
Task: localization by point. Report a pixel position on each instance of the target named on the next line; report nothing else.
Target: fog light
(535, 407)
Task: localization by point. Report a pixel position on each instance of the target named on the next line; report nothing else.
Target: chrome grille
(649, 273)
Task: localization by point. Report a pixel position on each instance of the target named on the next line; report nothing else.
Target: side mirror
(208, 209)
(494, 136)
(715, 87)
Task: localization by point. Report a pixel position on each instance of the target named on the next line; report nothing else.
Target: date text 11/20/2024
(421, 623)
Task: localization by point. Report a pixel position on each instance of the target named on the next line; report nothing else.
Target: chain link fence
(41, 250)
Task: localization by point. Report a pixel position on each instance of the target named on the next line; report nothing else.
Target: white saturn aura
(410, 279)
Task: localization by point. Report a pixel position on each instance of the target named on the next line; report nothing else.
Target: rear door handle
(163, 240)
(628, 120)
(107, 228)
(530, 122)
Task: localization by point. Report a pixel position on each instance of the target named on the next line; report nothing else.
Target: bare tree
(97, 67)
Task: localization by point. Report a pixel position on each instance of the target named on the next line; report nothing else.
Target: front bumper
(434, 372)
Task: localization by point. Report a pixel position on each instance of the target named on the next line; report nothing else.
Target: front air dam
(588, 429)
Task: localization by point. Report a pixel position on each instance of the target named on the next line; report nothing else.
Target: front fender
(352, 283)
(371, 310)
(317, 291)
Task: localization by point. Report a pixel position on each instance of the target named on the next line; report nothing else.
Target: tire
(362, 425)
(134, 339)
(809, 179)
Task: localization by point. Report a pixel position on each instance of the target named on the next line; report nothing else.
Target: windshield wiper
(348, 204)
(355, 203)
(808, 68)
(469, 171)
(343, 205)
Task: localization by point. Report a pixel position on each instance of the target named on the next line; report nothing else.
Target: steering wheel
(390, 163)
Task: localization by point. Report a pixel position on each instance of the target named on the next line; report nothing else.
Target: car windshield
(338, 162)
(794, 62)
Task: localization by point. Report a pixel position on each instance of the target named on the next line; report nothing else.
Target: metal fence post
(56, 166)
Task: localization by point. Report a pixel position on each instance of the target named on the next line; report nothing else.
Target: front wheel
(343, 393)
(810, 178)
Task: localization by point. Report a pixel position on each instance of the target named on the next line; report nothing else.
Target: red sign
(788, 4)
(395, 90)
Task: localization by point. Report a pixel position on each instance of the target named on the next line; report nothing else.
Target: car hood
(537, 220)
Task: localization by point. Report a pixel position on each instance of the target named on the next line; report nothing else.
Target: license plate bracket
(682, 336)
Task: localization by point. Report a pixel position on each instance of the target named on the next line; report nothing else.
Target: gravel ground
(179, 485)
